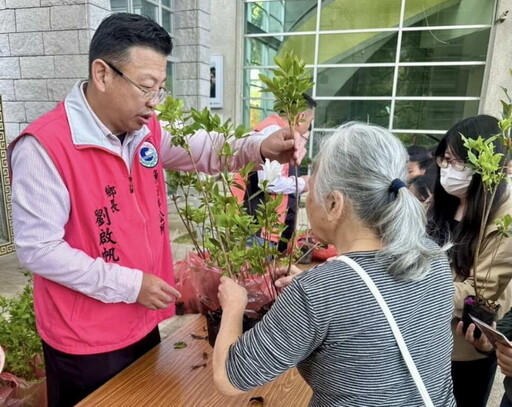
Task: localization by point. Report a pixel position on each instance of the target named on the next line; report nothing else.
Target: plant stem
(483, 226)
(297, 198)
(215, 229)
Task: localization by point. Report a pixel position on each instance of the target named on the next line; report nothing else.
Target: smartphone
(491, 333)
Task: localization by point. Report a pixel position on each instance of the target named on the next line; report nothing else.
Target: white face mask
(454, 182)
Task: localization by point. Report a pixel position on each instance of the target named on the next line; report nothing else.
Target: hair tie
(396, 184)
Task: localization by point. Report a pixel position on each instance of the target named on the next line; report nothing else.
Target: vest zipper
(131, 184)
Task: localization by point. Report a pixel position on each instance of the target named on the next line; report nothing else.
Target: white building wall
(227, 40)
(500, 62)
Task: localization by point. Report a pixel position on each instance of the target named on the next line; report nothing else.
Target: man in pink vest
(90, 211)
(286, 184)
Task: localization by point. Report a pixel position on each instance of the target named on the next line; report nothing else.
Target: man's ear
(335, 204)
(100, 74)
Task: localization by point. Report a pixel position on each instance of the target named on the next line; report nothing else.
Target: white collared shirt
(41, 203)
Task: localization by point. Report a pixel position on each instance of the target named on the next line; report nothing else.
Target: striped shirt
(329, 325)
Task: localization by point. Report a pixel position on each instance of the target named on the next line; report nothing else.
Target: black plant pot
(213, 319)
(306, 253)
(480, 311)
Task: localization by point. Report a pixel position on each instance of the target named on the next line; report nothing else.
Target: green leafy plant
(289, 83)
(220, 228)
(491, 166)
(222, 231)
(19, 337)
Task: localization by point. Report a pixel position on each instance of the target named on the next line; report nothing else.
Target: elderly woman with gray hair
(371, 328)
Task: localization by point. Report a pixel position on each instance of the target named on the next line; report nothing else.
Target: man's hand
(504, 355)
(482, 343)
(284, 147)
(155, 293)
(284, 281)
(306, 183)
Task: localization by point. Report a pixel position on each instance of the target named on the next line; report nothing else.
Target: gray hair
(361, 161)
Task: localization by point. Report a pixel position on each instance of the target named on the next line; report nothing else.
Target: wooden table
(165, 377)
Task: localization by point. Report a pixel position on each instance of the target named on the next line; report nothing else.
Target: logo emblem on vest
(148, 156)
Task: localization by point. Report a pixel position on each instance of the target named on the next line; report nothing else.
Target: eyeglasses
(457, 165)
(150, 95)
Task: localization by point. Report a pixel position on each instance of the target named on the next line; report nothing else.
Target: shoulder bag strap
(394, 327)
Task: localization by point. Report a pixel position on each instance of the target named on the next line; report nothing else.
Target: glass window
(166, 3)
(145, 8)
(357, 48)
(420, 139)
(119, 6)
(331, 114)
(430, 13)
(355, 81)
(440, 59)
(465, 80)
(445, 45)
(167, 20)
(360, 14)
(303, 45)
(255, 110)
(280, 16)
(431, 114)
(253, 84)
(261, 51)
(169, 80)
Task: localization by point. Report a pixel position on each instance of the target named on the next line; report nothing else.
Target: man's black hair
(309, 101)
(121, 31)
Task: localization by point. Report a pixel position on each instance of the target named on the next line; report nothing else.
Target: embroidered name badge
(148, 155)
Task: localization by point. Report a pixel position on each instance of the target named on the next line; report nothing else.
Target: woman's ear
(335, 204)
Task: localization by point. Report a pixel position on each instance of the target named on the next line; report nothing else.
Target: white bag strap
(394, 327)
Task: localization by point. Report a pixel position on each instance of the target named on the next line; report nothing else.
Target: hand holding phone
(492, 334)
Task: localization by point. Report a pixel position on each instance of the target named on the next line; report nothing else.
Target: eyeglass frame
(443, 162)
(158, 95)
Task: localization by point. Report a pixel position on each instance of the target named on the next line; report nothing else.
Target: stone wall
(43, 52)
(192, 51)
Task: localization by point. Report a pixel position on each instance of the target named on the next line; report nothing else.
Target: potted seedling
(22, 380)
(228, 242)
(491, 166)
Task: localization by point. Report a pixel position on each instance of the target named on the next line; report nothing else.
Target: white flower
(2, 359)
(271, 171)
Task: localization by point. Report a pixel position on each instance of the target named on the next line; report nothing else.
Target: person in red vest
(90, 211)
(287, 184)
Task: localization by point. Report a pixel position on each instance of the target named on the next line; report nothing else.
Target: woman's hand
(482, 343)
(284, 281)
(232, 296)
(504, 355)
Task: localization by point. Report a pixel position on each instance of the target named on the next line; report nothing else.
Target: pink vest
(116, 215)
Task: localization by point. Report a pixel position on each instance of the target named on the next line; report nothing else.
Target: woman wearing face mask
(456, 212)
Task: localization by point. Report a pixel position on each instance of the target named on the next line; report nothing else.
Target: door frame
(5, 209)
